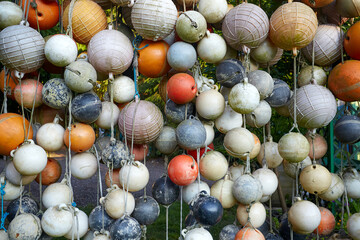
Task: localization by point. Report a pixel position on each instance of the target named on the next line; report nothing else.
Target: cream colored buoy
(114, 202)
(11, 191)
(14, 177)
(304, 217)
(210, 104)
(236, 171)
(212, 48)
(57, 220)
(213, 166)
(213, 10)
(239, 142)
(193, 30)
(335, 190)
(134, 176)
(50, 136)
(256, 213)
(222, 190)
(352, 183)
(210, 133)
(124, 89)
(244, 98)
(25, 226)
(290, 168)
(353, 226)
(228, 120)
(306, 76)
(293, 147)
(80, 225)
(55, 194)
(268, 180)
(29, 159)
(83, 165)
(272, 155)
(61, 50)
(108, 111)
(255, 151)
(260, 116)
(315, 179)
(191, 191)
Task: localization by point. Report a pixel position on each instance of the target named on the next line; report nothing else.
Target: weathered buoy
(25, 226)
(306, 76)
(82, 137)
(193, 189)
(248, 233)
(353, 225)
(80, 225)
(10, 14)
(272, 156)
(50, 136)
(228, 120)
(187, 30)
(207, 210)
(222, 190)
(178, 112)
(210, 104)
(166, 142)
(263, 82)
(28, 91)
(212, 48)
(181, 56)
(146, 210)
(335, 190)
(181, 88)
(228, 232)
(114, 202)
(244, 98)
(80, 76)
(347, 129)
(60, 50)
(247, 189)
(351, 180)
(114, 153)
(28, 205)
(56, 94)
(213, 166)
(350, 46)
(96, 218)
(238, 142)
(57, 221)
(290, 168)
(318, 144)
(327, 222)
(13, 176)
(83, 165)
(109, 115)
(55, 194)
(280, 94)
(230, 72)
(293, 147)
(86, 107)
(164, 191)
(11, 191)
(196, 233)
(134, 176)
(260, 116)
(265, 52)
(268, 180)
(191, 134)
(124, 89)
(255, 212)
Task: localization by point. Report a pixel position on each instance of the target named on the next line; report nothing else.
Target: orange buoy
(82, 137)
(181, 88)
(343, 81)
(327, 222)
(183, 170)
(12, 132)
(249, 233)
(28, 91)
(317, 3)
(114, 176)
(351, 41)
(152, 59)
(51, 172)
(47, 14)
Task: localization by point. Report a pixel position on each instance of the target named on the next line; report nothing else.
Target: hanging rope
(33, 106)
(295, 125)
(2, 192)
(68, 159)
(145, 148)
(167, 222)
(181, 207)
(7, 76)
(70, 15)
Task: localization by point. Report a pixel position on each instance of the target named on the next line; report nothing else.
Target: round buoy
(80, 226)
(263, 82)
(96, 218)
(222, 190)
(247, 189)
(238, 142)
(181, 88)
(83, 165)
(165, 191)
(181, 56)
(207, 210)
(114, 202)
(353, 224)
(166, 142)
(335, 190)
(178, 112)
(304, 217)
(183, 170)
(50, 136)
(80, 76)
(327, 222)
(253, 215)
(61, 50)
(57, 221)
(315, 179)
(28, 91)
(268, 180)
(146, 210)
(82, 137)
(10, 14)
(56, 94)
(293, 147)
(193, 30)
(306, 76)
(244, 98)
(229, 232)
(134, 176)
(193, 189)
(124, 89)
(191, 134)
(347, 129)
(86, 107)
(213, 165)
(228, 120)
(28, 205)
(55, 194)
(25, 226)
(280, 94)
(230, 72)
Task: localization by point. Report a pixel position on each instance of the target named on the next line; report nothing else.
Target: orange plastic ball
(181, 88)
(317, 3)
(248, 233)
(27, 92)
(183, 170)
(343, 81)
(139, 151)
(152, 59)
(82, 137)
(11, 82)
(47, 14)
(45, 114)
(351, 41)
(51, 172)
(12, 132)
(327, 222)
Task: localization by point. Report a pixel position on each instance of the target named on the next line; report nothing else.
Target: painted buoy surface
(247, 189)
(280, 94)
(28, 205)
(125, 228)
(146, 210)
(181, 88)
(114, 153)
(315, 179)
(96, 219)
(80, 76)
(191, 134)
(60, 50)
(186, 29)
(207, 210)
(164, 191)
(134, 176)
(181, 56)
(248, 233)
(263, 82)
(256, 212)
(304, 217)
(124, 89)
(183, 170)
(210, 104)
(230, 72)
(56, 94)
(228, 120)
(293, 147)
(83, 165)
(212, 48)
(335, 190)
(193, 189)
(57, 221)
(25, 226)
(86, 107)
(351, 38)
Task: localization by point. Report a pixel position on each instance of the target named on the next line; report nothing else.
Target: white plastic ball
(61, 50)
